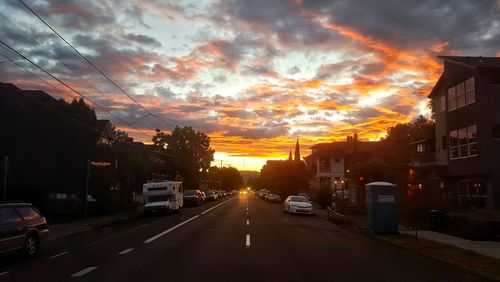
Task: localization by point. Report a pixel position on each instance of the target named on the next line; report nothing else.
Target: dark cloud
(258, 133)
(143, 39)
(283, 18)
(75, 14)
(220, 78)
(408, 24)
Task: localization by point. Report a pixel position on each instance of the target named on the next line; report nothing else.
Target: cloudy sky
(254, 75)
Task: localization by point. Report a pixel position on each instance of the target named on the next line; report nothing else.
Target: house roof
(475, 62)
(470, 62)
(347, 147)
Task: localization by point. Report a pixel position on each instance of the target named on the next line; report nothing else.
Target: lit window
(470, 91)
(454, 144)
(420, 148)
(472, 139)
(452, 99)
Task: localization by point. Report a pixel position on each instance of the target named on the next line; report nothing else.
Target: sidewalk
(82, 225)
(486, 248)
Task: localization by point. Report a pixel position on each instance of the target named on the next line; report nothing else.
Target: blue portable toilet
(381, 207)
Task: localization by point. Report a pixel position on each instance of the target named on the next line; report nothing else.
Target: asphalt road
(233, 239)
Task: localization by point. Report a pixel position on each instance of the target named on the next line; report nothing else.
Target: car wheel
(31, 244)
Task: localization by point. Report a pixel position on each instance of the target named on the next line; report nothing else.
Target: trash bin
(437, 219)
(381, 207)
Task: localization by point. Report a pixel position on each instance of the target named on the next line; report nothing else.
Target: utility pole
(5, 171)
(87, 187)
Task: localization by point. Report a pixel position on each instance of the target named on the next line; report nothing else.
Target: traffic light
(361, 178)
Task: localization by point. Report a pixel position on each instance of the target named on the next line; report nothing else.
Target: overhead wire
(163, 119)
(57, 58)
(71, 88)
(62, 113)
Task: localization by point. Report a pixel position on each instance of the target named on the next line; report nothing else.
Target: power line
(71, 88)
(96, 68)
(64, 114)
(57, 58)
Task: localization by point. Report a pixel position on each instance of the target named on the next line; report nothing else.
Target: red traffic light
(361, 178)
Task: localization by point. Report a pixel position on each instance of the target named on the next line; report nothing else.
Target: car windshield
(299, 199)
(190, 193)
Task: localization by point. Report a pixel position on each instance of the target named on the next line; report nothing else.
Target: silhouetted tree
(191, 150)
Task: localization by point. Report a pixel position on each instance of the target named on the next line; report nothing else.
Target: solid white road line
(216, 206)
(248, 222)
(59, 255)
(84, 271)
(126, 251)
(247, 243)
(3, 273)
(170, 230)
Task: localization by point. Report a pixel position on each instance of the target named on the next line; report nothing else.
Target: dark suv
(22, 227)
(193, 197)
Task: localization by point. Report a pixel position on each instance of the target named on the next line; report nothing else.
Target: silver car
(298, 204)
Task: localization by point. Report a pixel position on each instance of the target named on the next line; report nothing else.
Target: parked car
(203, 196)
(273, 198)
(193, 197)
(298, 204)
(211, 195)
(305, 195)
(22, 227)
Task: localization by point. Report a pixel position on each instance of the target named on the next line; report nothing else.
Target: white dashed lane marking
(126, 251)
(248, 222)
(247, 243)
(84, 271)
(4, 273)
(59, 255)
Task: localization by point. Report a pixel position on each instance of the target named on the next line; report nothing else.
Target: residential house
(464, 103)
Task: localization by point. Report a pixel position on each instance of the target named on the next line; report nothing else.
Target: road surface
(233, 239)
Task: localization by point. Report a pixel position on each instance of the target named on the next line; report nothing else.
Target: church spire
(290, 155)
(297, 151)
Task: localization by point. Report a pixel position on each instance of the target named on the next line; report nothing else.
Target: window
(462, 142)
(470, 91)
(452, 99)
(28, 213)
(324, 165)
(9, 215)
(460, 94)
(464, 93)
(444, 142)
(453, 144)
(472, 139)
(495, 131)
(420, 148)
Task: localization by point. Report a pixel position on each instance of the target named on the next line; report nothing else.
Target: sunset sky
(254, 75)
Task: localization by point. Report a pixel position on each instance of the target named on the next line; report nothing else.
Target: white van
(163, 196)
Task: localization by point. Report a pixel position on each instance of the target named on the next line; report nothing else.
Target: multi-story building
(464, 103)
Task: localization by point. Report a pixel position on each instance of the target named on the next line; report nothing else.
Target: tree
(191, 150)
(121, 136)
(229, 177)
